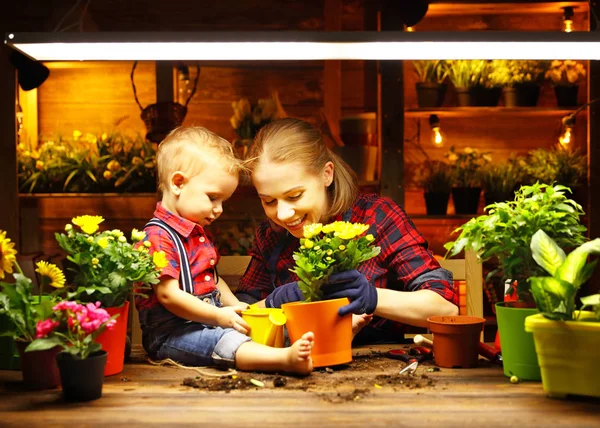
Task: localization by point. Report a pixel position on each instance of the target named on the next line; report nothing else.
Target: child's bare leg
(359, 321)
(252, 356)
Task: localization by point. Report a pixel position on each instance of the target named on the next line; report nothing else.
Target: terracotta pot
(455, 340)
(39, 367)
(333, 334)
(113, 341)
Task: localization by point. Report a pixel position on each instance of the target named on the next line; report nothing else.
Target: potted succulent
(431, 88)
(21, 310)
(565, 76)
(567, 341)
(102, 266)
(435, 177)
(499, 181)
(324, 250)
(467, 166)
(73, 328)
(505, 233)
(465, 75)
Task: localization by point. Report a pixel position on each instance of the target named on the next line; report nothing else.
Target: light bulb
(409, 29)
(568, 25)
(438, 138)
(567, 135)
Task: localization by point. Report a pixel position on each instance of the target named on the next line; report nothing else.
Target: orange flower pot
(455, 340)
(333, 334)
(113, 341)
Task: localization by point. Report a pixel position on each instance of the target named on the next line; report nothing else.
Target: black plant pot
(466, 199)
(430, 94)
(81, 379)
(566, 96)
(436, 203)
(527, 94)
(465, 97)
(487, 97)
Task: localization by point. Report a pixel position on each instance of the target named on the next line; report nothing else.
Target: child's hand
(243, 306)
(229, 317)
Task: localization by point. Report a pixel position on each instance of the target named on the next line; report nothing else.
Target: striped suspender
(185, 271)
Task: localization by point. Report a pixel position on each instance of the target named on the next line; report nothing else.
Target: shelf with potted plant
(488, 111)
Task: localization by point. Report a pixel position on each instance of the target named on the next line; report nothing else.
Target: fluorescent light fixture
(307, 45)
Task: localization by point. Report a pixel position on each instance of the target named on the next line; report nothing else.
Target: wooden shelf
(489, 111)
(505, 7)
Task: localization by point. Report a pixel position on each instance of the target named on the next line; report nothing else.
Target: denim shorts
(189, 343)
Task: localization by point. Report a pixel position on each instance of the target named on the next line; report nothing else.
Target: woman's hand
(355, 286)
(229, 317)
(284, 294)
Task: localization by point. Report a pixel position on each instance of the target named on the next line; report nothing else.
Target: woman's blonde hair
(296, 141)
(188, 149)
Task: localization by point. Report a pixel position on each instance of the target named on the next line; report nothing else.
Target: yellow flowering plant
(20, 308)
(565, 73)
(327, 249)
(103, 265)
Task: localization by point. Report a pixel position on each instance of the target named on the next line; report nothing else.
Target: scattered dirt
(365, 375)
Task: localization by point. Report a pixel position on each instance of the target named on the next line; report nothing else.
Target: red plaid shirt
(202, 254)
(403, 259)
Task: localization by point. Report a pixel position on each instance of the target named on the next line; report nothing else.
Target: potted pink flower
(74, 328)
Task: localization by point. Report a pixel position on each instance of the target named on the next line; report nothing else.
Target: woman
(300, 181)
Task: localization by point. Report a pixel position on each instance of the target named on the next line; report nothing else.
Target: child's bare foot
(359, 321)
(299, 359)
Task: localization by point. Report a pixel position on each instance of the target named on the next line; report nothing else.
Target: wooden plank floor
(345, 397)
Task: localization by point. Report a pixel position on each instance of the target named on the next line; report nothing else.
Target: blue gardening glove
(284, 294)
(355, 286)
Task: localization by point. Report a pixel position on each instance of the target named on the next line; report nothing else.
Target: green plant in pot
(326, 249)
(467, 166)
(504, 234)
(565, 77)
(500, 180)
(523, 79)
(435, 177)
(465, 75)
(431, 88)
(21, 309)
(488, 90)
(567, 341)
(104, 267)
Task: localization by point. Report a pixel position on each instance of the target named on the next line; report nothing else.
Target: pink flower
(43, 328)
(66, 305)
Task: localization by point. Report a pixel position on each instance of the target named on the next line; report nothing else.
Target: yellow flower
(370, 237)
(68, 227)
(103, 242)
(39, 165)
(308, 243)
(104, 137)
(95, 261)
(90, 239)
(88, 223)
(137, 235)
(342, 247)
(122, 239)
(76, 134)
(312, 230)
(8, 255)
(160, 259)
(113, 166)
(107, 175)
(147, 244)
(55, 276)
(329, 252)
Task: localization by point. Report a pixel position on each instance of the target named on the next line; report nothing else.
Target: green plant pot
(568, 353)
(518, 349)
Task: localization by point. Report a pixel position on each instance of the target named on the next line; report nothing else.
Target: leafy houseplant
(435, 177)
(104, 265)
(499, 181)
(467, 166)
(565, 77)
(328, 249)
(567, 342)
(431, 88)
(522, 80)
(465, 75)
(73, 327)
(506, 231)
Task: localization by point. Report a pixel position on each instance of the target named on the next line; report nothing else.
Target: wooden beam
(332, 75)
(164, 81)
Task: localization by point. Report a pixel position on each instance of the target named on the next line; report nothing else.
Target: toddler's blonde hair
(190, 149)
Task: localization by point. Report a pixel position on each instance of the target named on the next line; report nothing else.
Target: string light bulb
(438, 138)
(568, 25)
(567, 134)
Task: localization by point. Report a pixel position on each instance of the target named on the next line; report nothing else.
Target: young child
(192, 316)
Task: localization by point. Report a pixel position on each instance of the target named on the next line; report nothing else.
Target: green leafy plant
(431, 71)
(501, 179)
(327, 249)
(467, 166)
(435, 176)
(18, 305)
(73, 327)
(465, 73)
(515, 72)
(506, 231)
(568, 168)
(105, 267)
(87, 163)
(555, 295)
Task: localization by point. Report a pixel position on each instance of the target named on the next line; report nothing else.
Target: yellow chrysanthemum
(346, 230)
(147, 244)
(51, 274)
(77, 134)
(122, 239)
(95, 261)
(308, 243)
(312, 230)
(88, 223)
(160, 259)
(137, 235)
(370, 237)
(8, 255)
(103, 242)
